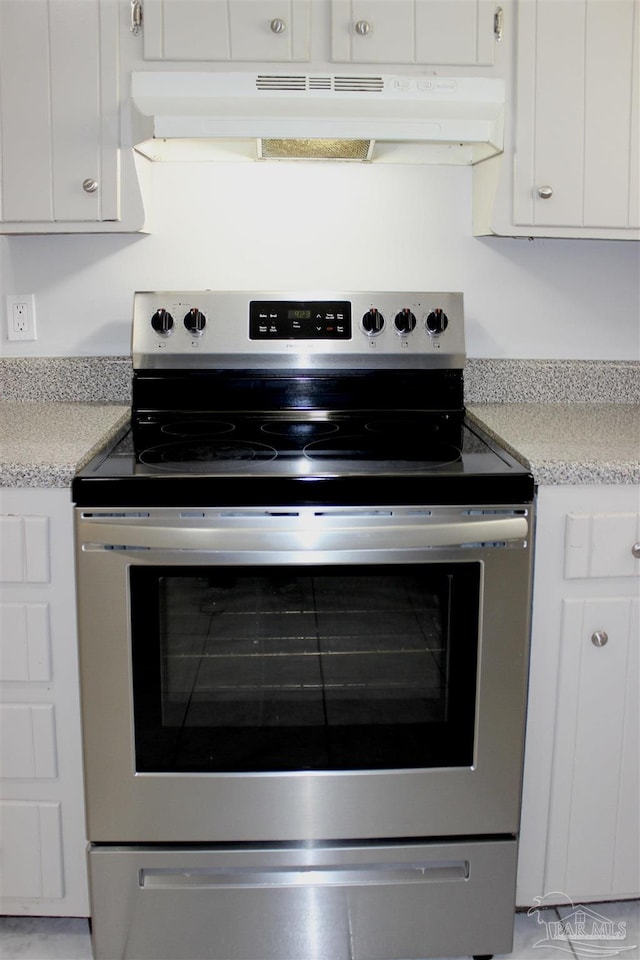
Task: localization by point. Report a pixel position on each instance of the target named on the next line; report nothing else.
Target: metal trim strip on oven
(302, 530)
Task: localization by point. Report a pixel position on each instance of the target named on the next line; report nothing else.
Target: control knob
(162, 322)
(437, 322)
(195, 321)
(372, 322)
(405, 321)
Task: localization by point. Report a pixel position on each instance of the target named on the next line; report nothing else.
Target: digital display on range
(295, 320)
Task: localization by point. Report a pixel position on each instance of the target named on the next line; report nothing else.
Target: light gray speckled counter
(563, 381)
(43, 444)
(563, 443)
(66, 379)
(589, 434)
(108, 379)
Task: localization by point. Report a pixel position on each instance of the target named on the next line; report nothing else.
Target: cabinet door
(33, 866)
(593, 841)
(226, 30)
(457, 32)
(59, 105)
(43, 861)
(577, 106)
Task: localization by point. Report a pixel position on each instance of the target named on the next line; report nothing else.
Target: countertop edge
(49, 469)
(554, 470)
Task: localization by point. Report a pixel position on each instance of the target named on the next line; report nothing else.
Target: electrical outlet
(21, 317)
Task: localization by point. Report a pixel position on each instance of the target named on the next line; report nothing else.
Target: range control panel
(300, 320)
(298, 329)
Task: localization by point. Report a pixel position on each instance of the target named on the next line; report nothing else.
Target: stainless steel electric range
(304, 590)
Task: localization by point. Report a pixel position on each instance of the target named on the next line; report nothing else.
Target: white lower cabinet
(42, 862)
(580, 824)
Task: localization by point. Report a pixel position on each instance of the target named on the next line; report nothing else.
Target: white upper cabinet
(60, 157)
(571, 166)
(456, 32)
(219, 30)
(577, 156)
(442, 32)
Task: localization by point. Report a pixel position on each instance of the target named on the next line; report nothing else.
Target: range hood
(385, 118)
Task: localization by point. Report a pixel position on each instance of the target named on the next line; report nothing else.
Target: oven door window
(304, 668)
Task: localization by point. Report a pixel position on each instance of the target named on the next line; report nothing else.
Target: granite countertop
(56, 413)
(42, 444)
(567, 443)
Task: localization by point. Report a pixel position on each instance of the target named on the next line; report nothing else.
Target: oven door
(307, 674)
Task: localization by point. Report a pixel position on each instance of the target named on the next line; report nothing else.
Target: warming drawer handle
(182, 537)
(427, 872)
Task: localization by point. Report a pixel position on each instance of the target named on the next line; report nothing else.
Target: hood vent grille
(303, 83)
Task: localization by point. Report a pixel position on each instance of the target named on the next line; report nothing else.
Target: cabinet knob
(599, 638)
(635, 550)
(363, 27)
(278, 25)
(545, 193)
(90, 185)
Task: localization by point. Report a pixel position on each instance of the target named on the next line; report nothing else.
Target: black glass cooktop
(307, 457)
(296, 444)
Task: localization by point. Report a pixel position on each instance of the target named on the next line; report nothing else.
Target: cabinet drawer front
(602, 545)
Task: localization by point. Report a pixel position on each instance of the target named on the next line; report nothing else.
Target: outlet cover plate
(21, 316)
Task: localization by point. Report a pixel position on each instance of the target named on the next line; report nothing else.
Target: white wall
(288, 226)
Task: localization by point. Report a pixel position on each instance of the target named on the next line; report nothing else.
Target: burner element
(201, 456)
(372, 446)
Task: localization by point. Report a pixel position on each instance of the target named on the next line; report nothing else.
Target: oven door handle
(472, 532)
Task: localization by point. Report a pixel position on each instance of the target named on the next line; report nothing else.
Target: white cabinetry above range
(62, 166)
(573, 136)
(569, 69)
(434, 32)
(220, 30)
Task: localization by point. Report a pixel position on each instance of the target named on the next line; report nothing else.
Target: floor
(617, 934)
